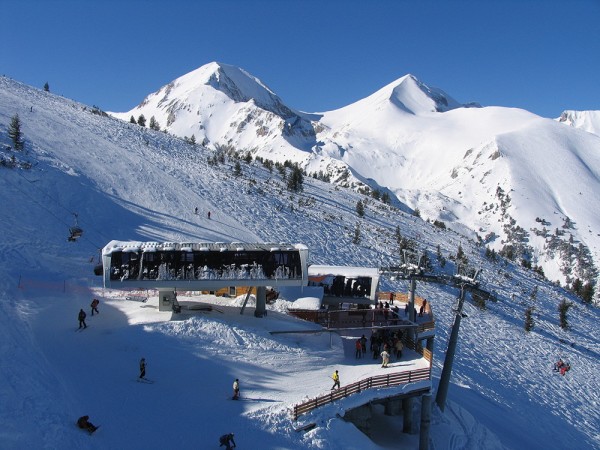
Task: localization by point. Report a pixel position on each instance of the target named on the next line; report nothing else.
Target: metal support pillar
(442, 391)
(429, 344)
(261, 301)
(407, 415)
(245, 301)
(425, 421)
(412, 316)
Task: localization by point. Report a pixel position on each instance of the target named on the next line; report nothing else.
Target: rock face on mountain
(504, 175)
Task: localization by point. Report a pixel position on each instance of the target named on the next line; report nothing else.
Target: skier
(227, 440)
(236, 389)
(358, 346)
(209, 214)
(422, 308)
(94, 306)
(336, 380)
(143, 368)
(565, 368)
(196, 210)
(84, 423)
(363, 343)
(81, 317)
(385, 356)
(399, 346)
(558, 365)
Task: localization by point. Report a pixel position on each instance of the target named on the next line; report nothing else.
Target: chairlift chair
(75, 231)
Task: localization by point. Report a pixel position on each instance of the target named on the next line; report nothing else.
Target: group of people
(386, 307)
(385, 341)
(196, 212)
(84, 421)
(82, 315)
(562, 367)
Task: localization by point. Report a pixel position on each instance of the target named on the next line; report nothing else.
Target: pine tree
(529, 323)
(46, 87)
(15, 134)
(141, 120)
(563, 309)
(460, 256)
(132, 120)
(587, 293)
(440, 257)
(385, 198)
(360, 209)
(237, 169)
(356, 238)
(296, 180)
(426, 261)
(154, 124)
(533, 294)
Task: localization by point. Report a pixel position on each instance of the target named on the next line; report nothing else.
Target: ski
(144, 380)
(90, 432)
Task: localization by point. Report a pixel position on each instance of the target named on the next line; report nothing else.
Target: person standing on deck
(336, 380)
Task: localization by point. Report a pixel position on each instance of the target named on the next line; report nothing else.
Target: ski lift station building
(345, 285)
(170, 266)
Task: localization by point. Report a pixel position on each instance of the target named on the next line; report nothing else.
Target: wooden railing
(387, 380)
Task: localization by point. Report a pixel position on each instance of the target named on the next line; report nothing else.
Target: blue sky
(540, 55)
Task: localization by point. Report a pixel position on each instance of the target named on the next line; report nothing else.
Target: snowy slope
(125, 182)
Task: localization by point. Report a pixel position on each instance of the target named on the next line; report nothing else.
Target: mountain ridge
(421, 146)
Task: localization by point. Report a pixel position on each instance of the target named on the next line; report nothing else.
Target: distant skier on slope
(81, 318)
(227, 440)
(84, 423)
(94, 306)
(143, 368)
(565, 368)
(236, 389)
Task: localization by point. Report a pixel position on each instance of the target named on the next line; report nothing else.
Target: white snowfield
(131, 184)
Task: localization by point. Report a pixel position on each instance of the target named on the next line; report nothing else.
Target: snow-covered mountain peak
(413, 96)
(237, 84)
(586, 120)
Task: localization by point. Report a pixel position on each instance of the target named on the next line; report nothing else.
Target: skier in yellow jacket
(336, 380)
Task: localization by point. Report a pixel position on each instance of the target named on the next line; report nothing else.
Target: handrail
(391, 379)
(358, 318)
